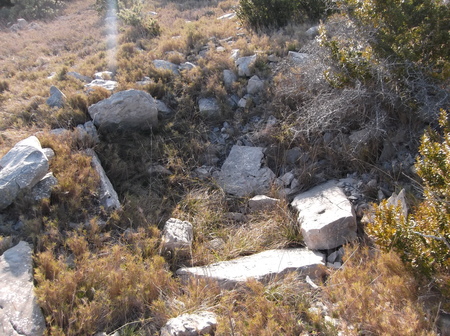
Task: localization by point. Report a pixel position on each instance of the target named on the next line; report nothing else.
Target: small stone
(177, 236)
(262, 203)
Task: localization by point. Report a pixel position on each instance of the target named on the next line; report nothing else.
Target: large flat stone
(242, 173)
(263, 266)
(326, 216)
(19, 311)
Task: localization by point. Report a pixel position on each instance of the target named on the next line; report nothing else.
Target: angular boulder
(166, 65)
(19, 311)
(245, 64)
(177, 236)
(125, 110)
(326, 217)
(21, 168)
(263, 266)
(209, 108)
(201, 323)
(255, 85)
(242, 173)
(108, 196)
(56, 98)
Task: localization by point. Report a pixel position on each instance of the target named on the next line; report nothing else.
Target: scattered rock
(19, 314)
(287, 179)
(201, 323)
(264, 266)
(209, 108)
(164, 111)
(262, 203)
(229, 78)
(80, 77)
(21, 168)
(399, 200)
(187, 66)
(56, 98)
(106, 75)
(244, 65)
(255, 85)
(107, 195)
(298, 58)
(125, 110)
(326, 217)
(166, 65)
(227, 16)
(242, 174)
(312, 32)
(43, 189)
(22, 23)
(245, 102)
(49, 153)
(177, 236)
(87, 133)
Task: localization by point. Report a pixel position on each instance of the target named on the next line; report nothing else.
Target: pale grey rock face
(262, 203)
(19, 313)
(209, 108)
(56, 98)
(43, 189)
(263, 267)
(177, 236)
(21, 168)
(326, 216)
(107, 195)
(229, 78)
(80, 77)
(242, 174)
(298, 58)
(87, 132)
(125, 110)
(166, 65)
(399, 201)
(255, 85)
(109, 85)
(244, 65)
(201, 323)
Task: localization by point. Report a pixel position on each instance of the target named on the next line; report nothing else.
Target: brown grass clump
(376, 294)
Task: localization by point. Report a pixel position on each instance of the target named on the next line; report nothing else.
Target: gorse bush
(261, 14)
(423, 238)
(32, 9)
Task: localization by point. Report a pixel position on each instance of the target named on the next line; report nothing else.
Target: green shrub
(142, 25)
(423, 238)
(33, 9)
(260, 14)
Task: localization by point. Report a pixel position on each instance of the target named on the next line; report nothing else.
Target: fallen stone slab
(125, 110)
(107, 195)
(201, 323)
(21, 168)
(263, 266)
(326, 217)
(19, 311)
(242, 173)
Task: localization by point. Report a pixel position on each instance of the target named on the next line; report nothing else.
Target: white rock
(201, 323)
(399, 200)
(244, 65)
(22, 23)
(242, 174)
(177, 236)
(312, 32)
(262, 203)
(287, 179)
(106, 75)
(19, 313)
(43, 189)
(109, 85)
(107, 195)
(326, 216)
(255, 85)
(227, 16)
(263, 266)
(234, 54)
(21, 168)
(125, 110)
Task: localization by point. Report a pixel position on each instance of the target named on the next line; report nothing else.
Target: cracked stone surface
(262, 266)
(19, 311)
